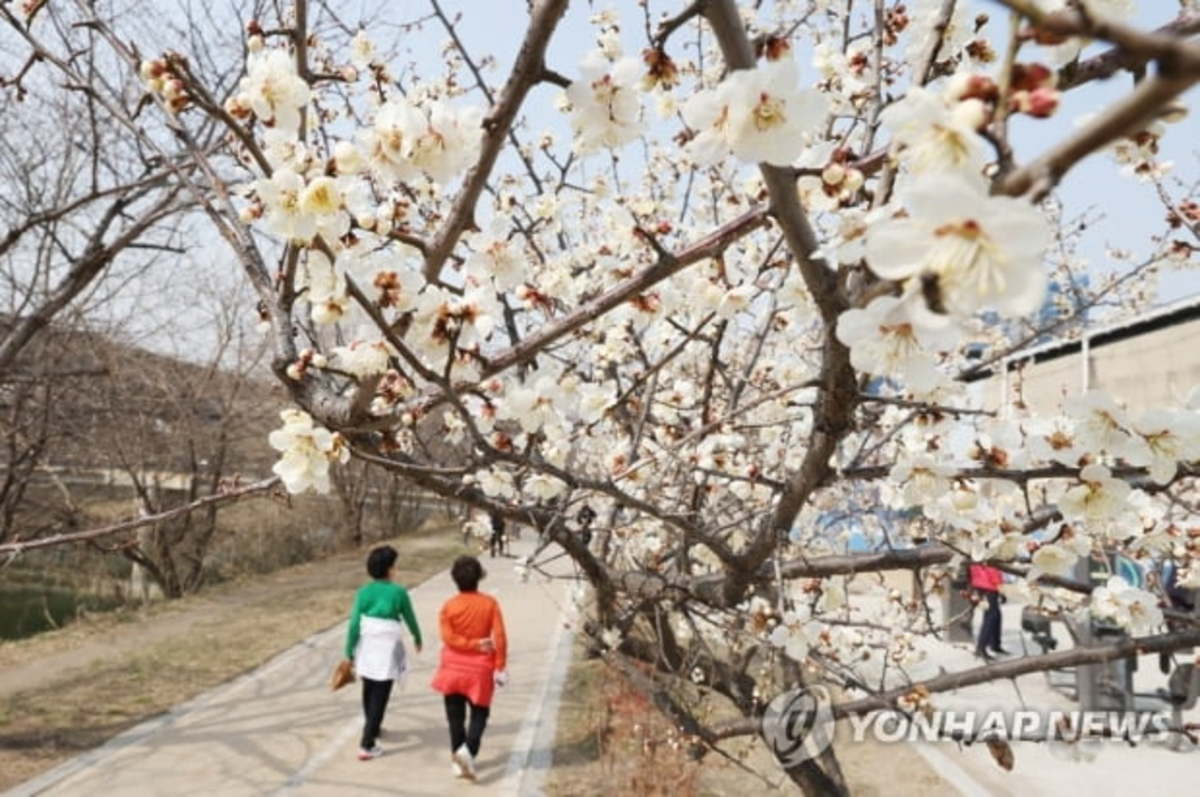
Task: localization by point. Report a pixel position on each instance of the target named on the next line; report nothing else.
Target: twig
(19, 547)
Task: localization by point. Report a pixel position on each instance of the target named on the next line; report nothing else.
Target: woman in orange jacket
(474, 657)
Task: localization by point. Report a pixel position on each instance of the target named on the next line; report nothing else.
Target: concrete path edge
(79, 763)
(533, 753)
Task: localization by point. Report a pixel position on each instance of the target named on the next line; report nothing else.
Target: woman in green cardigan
(375, 641)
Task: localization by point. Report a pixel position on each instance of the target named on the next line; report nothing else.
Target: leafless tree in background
(91, 218)
(179, 432)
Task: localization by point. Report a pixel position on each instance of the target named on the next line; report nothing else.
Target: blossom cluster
(307, 449)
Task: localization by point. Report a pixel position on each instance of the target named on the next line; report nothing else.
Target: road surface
(279, 730)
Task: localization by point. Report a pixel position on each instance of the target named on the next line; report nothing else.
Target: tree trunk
(821, 777)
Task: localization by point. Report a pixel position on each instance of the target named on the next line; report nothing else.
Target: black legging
(460, 732)
(989, 628)
(375, 699)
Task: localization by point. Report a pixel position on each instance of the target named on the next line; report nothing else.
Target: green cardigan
(385, 600)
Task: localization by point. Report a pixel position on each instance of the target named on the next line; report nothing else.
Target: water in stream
(29, 608)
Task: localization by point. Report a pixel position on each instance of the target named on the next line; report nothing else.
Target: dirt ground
(68, 690)
(590, 762)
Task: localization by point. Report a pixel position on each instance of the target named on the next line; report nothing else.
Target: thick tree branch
(1093, 654)
(708, 247)
(526, 73)
(838, 394)
(1124, 117)
(1119, 58)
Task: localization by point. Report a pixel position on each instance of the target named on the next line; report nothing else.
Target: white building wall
(1149, 370)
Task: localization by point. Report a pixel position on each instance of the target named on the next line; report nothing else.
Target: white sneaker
(367, 755)
(455, 767)
(462, 756)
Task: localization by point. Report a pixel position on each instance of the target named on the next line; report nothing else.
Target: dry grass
(597, 752)
(611, 740)
(579, 733)
(166, 654)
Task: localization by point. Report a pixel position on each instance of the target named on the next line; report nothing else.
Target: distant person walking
(584, 518)
(375, 641)
(987, 580)
(497, 543)
(474, 657)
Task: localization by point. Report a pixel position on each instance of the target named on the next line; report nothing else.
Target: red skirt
(469, 674)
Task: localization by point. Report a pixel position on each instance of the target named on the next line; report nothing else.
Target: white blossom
(273, 90)
(496, 483)
(833, 597)
(448, 143)
(1170, 438)
(362, 358)
(1097, 498)
(794, 634)
(544, 486)
(362, 50)
(321, 199)
(324, 287)
(606, 107)
(532, 404)
(348, 158)
(286, 214)
(307, 450)
(1189, 577)
(760, 115)
(405, 140)
(1054, 440)
(925, 16)
(594, 401)
(923, 478)
(1100, 423)
(982, 251)
(1133, 609)
(936, 136)
(884, 340)
(1052, 559)
(496, 256)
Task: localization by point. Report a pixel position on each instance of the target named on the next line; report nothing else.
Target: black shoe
(983, 654)
(1000, 651)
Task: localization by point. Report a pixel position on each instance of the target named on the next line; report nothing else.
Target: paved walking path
(279, 730)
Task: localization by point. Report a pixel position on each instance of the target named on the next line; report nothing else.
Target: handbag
(343, 674)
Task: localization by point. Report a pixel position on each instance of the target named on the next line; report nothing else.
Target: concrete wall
(1154, 369)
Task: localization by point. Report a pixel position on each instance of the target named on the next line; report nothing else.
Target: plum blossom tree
(732, 325)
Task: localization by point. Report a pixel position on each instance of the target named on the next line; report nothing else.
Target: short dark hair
(467, 573)
(380, 560)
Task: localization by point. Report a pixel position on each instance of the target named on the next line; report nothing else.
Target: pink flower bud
(1042, 102)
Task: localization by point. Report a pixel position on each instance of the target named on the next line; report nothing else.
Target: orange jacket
(470, 617)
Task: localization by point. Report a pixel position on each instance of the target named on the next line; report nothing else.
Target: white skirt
(380, 654)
